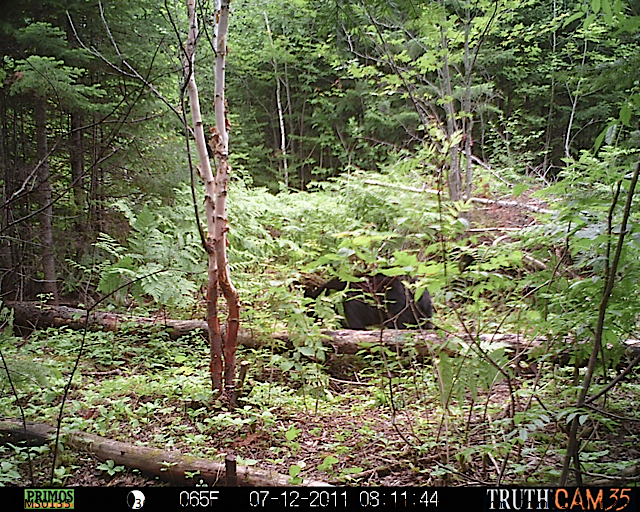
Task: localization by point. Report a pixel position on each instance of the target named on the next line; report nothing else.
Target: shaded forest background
(521, 86)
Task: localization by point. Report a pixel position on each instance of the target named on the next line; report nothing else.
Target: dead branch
(479, 200)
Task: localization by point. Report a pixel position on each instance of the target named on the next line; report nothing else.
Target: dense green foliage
(521, 86)
(389, 113)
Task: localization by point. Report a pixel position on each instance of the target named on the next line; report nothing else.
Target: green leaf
(587, 22)
(327, 463)
(349, 471)
(294, 470)
(292, 433)
(572, 18)
(287, 365)
(519, 189)
(307, 351)
(625, 114)
(599, 139)
(404, 259)
(345, 252)
(395, 271)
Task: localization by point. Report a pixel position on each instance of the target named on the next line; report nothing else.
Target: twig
(611, 384)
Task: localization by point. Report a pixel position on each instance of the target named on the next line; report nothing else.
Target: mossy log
(169, 466)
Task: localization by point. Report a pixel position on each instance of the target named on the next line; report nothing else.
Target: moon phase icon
(135, 500)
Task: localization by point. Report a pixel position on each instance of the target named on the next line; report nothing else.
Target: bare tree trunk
(216, 190)
(14, 205)
(76, 161)
(223, 169)
(95, 192)
(215, 339)
(466, 107)
(46, 216)
(454, 178)
(552, 98)
(283, 140)
(7, 272)
(574, 98)
(574, 104)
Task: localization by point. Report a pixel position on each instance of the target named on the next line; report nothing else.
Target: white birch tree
(223, 350)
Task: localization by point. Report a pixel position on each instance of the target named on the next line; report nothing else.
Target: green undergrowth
(295, 418)
(473, 410)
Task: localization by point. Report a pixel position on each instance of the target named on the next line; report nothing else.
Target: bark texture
(46, 207)
(220, 143)
(170, 466)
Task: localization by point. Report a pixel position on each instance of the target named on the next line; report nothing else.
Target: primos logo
(49, 498)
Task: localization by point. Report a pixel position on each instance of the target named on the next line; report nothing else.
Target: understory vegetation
(474, 411)
(485, 152)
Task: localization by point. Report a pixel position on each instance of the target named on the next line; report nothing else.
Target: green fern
(162, 261)
(26, 373)
(472, 370)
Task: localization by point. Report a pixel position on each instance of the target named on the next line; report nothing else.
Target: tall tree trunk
(221, 148)
(283, 140)
(552, 99)
(466, 107)
(455, 176)
(216, 190)
(301, 146)
(14, 205)
(213, 322)
(46, 215)
(94, 207)
(6, 261)
(574, 98)
(76, 161)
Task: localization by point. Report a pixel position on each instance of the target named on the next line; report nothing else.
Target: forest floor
(352, 440)
(381, 448)
(356, 428)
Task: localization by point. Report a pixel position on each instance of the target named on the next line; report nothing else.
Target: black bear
(380, 300)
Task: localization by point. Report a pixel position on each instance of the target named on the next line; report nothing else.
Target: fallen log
(480, 200)
(34, 315)
(168, 466)
(340, 342)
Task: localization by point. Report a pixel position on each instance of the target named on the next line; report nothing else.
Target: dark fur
(380, 300)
